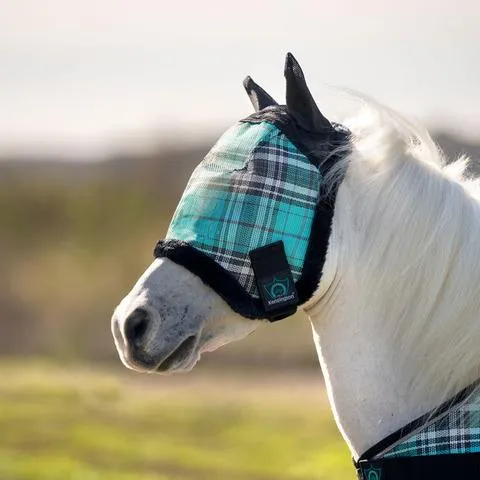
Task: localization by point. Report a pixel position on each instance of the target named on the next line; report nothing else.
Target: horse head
(249, 237)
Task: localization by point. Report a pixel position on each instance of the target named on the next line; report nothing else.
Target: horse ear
(258, 96)
(300, 102)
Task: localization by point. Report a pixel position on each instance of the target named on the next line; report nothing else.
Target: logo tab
(274, 280)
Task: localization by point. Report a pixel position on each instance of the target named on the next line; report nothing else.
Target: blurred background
(105, 108)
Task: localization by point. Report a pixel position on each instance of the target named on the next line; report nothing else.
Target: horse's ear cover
(300, 102)
(254, 220)
(258, 96)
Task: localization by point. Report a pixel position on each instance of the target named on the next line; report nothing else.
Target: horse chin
(182, 359)
(183, 367)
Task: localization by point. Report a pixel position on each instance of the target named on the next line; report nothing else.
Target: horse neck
(395, 315)
(367, 395)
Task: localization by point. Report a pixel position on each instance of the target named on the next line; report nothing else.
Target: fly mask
(254, 220)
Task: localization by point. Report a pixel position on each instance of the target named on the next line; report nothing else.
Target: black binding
(463, 466)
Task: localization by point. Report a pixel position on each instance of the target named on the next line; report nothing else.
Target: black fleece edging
(212, 274)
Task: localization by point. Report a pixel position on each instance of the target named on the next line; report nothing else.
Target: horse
(392, 288)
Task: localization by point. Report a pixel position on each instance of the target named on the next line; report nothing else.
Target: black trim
(219, 279)
(213, 274)
(316, 250)
(464, 466)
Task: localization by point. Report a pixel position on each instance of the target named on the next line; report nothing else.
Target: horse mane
(408, 259)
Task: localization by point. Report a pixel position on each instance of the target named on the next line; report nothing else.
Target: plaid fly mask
(254, 220)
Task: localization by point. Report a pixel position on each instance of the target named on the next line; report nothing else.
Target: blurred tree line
(74, 237)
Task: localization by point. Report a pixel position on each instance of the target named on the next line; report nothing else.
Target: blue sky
(91, 76)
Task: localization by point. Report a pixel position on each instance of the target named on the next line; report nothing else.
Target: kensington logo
(373, 473)
(274, 279)
(278, 290)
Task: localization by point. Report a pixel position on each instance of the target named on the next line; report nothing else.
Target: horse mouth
(179, 355)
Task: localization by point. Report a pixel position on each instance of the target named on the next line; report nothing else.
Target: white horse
(395, 315)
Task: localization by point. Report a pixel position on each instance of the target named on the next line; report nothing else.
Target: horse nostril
(136, 325)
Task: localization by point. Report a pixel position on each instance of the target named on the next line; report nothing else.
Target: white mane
(409, 232)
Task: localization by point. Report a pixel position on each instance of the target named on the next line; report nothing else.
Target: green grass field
(78, 423)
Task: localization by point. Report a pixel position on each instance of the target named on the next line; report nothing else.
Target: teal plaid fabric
(253, 188)
(458, 431)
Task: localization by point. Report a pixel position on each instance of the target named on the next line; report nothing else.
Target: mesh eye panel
(253, 188)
